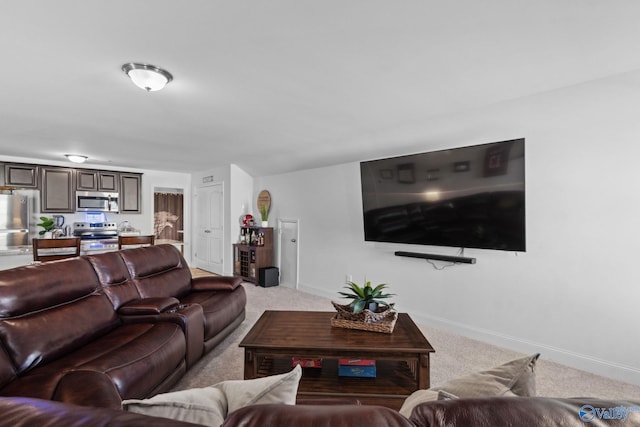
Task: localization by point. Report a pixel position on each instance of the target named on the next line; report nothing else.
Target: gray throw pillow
(514, 378)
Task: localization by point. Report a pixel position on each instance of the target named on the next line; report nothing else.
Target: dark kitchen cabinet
(21, 175)
(94, 180)
(108, 181)
(86, 180)
(130, 192)
(57, 189)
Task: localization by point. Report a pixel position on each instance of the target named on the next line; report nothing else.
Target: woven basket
(382, 320)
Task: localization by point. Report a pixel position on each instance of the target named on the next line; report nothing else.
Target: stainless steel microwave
(96, 201)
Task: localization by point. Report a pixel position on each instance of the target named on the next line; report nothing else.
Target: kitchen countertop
(92, 247)
(17, 256)
(16, 250)
(84, 249)
(168, 242)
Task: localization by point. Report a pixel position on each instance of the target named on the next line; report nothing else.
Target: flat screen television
(468, 197)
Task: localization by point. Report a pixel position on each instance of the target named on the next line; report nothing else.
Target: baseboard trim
(584, 362)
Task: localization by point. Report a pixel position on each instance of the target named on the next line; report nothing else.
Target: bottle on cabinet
(252, 237)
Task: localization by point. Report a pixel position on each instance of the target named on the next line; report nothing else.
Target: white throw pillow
(210, 405)
(207, 406)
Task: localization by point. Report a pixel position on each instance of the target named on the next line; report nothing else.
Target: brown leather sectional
(101, 328)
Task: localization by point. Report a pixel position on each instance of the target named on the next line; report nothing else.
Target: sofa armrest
(148, 306)
(27, 412)
(215, 283)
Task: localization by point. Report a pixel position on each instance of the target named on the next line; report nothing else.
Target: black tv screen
(468, 197)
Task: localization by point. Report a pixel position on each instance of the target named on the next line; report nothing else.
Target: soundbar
(459, 259)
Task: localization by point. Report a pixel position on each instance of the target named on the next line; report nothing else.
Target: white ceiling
(281, 85)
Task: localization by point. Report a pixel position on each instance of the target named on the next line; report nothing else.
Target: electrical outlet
(349, 278)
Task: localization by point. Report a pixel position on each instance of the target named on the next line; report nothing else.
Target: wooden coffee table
(402, 357)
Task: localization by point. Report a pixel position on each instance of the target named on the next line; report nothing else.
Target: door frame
(281, 221)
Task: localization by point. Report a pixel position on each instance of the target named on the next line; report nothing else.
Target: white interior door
(288, 243)
(209, 250)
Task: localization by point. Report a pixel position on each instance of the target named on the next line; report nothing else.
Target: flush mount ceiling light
(147, 77)
(76, 158)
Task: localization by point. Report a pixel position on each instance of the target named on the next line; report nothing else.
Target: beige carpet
(455, 355)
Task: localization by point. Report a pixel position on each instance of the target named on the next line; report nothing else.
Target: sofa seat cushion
(221, 308)
(128, 362)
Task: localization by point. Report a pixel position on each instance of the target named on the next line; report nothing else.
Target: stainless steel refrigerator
(14, 220)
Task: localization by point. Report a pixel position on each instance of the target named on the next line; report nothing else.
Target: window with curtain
(168, 216)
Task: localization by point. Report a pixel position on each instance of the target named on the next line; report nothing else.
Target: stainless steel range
(95, 230)
(96, 237)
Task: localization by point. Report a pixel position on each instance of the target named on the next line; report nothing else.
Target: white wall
(573, 296)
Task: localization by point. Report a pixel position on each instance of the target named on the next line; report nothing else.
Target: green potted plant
(264, 214)
(47, 224)
(366, 296)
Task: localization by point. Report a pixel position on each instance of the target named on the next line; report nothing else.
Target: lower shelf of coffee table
(394, 379)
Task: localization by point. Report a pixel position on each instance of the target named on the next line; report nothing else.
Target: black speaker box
(268, 276)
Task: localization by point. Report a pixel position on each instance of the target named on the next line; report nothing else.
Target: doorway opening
(168, 214)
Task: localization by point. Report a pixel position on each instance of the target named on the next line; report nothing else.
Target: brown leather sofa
(97, 329)
(481, 412)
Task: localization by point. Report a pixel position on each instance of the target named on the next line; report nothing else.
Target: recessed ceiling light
(76, 158)
(147, 77)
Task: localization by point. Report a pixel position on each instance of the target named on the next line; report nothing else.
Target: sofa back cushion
(521, 411)
(114, 278)
(158, 271)
(48, 310)
(316, 415)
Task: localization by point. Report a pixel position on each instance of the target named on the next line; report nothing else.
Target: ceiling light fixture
(147, 77)
(76, 158)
